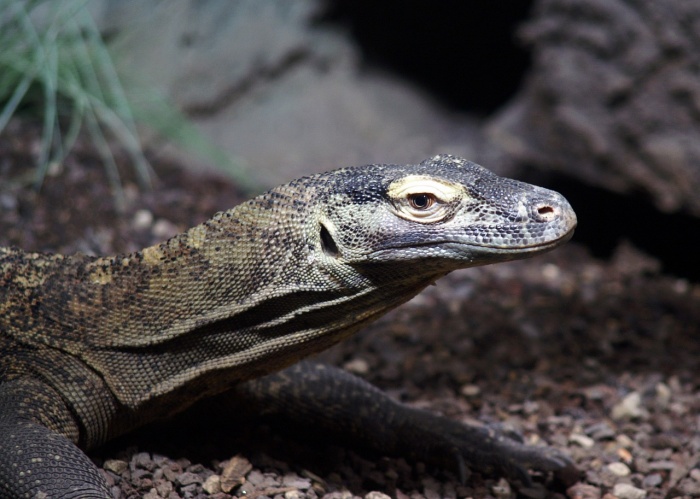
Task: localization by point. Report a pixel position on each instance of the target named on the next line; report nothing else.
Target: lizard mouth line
(506, 247)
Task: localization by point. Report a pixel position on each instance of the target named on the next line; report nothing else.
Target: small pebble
(551, 272)
(164, 229)
(142, 460)
(183, 463)
(188, 478)
(665, 465)
(502, 489)
(294, 480)
(188, 491)
(625, 455)
(357, 366)
(142, 219)
(627, 491)
(629, 407)
(164, 488)
(582, 440)
(141, 474)
(235, 471)
(470, 390)
(618, 469)
(583, 491)
(339, 494)
(169, 473)
(212, 485)
(600, 431)
(663, 395)
(624, 441)
(116, 466)
(376, 495)
(8, 202)
(653, 480)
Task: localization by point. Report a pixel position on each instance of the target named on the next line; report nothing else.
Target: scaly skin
(92, 347)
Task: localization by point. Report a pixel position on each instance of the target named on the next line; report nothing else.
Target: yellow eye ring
(424, 199)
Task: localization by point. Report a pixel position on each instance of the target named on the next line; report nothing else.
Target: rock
(281, 92)
(357, 366)
(142, 460)
(583, 491)
(613, 97)
(164, 229)
(600, 431)
(212, 485)
(116, 466)
(339, 494)
(377, 495)
(188, 478)
(164, 488)
(663, 395)
(470, 390)
(618, 469)
(502, 489)
(582, 440)
(234, 473)
(293, 480)
(142, 219)
(653, 480)
(629, 407)
(627, 491)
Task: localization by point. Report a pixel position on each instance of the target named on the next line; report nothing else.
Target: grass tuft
(54, 64)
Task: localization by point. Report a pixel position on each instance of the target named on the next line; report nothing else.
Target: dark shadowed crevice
(464, 53)
(327, 243)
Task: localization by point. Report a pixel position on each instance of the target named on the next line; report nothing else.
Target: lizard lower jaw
(466, 254)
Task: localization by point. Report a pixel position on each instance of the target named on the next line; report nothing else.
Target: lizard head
(446, 213)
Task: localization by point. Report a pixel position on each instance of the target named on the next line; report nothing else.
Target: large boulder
(278, 90)
(613, 97)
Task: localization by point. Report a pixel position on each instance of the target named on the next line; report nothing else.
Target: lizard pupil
(421, 201)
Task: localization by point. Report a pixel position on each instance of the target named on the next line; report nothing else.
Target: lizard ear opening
(327, 243)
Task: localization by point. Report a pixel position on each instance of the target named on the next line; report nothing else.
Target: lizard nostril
(546, 213)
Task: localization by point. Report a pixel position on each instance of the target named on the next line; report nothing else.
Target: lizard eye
(421, 201)
(424, 199)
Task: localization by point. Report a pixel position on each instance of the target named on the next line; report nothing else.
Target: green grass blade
(103, 149)
(15, 99)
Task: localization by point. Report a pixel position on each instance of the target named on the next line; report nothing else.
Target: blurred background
(124, 122)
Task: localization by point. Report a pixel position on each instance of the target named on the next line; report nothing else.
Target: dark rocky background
(592, 349)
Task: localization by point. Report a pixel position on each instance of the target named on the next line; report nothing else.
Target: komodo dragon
(92, 347)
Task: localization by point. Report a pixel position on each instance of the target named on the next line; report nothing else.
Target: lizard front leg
(328, 398)
(38, 456)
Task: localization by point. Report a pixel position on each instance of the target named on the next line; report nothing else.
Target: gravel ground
(599, 358)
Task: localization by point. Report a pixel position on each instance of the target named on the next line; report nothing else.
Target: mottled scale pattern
(94, 346)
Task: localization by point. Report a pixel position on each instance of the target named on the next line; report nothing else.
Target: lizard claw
(495, 452)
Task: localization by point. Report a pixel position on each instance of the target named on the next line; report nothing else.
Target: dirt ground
(599, 358)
